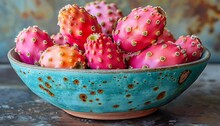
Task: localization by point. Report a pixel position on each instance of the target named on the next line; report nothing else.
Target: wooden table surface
(199, 104)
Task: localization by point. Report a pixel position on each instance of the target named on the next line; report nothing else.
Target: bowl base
(112, 116)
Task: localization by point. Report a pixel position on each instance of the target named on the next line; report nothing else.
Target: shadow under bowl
(109, 94)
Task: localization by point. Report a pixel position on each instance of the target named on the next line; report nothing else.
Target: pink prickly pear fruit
(102, 53)
(70, 40)
(63, 56)
(59, 39)
(30, 43)
(192, 45)
(159, 55)
(106, 14)
(77, 24)
(166, 36)
(127, 56)
(140, 28)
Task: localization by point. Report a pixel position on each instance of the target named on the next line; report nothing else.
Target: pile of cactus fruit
(98, 36)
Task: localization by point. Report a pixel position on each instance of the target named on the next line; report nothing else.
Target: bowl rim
(204, 58)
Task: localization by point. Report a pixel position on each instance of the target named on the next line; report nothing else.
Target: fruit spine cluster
(100, 37)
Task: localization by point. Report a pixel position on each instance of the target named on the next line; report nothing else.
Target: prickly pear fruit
(106, 14)
(127, 56)
(62, 56)
(102, 53)
(30, 43)
(58, 39)
(192, 45)
(166, 36)
(77, 24)
(159, 55)
(74, 42)
(140, 28)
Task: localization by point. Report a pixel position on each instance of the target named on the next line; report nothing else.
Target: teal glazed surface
(108, 91)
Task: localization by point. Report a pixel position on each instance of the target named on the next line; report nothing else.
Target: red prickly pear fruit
(102, 53)
(63, 56)
(140, 29)
(30, 43)
(159, 55)
(59, 39)
(106, 14)
(77, 24)
(166, 36)
(192, 45)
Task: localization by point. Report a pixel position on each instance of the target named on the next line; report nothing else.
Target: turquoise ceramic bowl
(109, 94)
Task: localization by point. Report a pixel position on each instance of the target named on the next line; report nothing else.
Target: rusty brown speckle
(76, 81)
(65, 79)
(97, 99)
(40, 79)
(130, 86)
(199, 24)
(84, 86)
(100, 91)
(129, 102)
(83, 97)
(47, 90)
(48, 77)
(25, 15)
(115, 106)
(184, 75)
(90, 100)
(132, 109)
(156, 88)
(41, 86)
(128, 95)
(47, 85)
(37, 2)
(104, 82)
(92, 93)
(161, 95)
(147, 103)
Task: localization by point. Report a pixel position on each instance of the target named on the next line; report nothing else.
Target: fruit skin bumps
(58, 39)
(192, 45)
(62, 56)
(138, 40)
(77, 24)
(159, 55)
(30, 43)
(140, 28)
(166, 36)
(106, 14)
(102, 53)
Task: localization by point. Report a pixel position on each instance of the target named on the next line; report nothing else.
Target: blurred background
(199, 17)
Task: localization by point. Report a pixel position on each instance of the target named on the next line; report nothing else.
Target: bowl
(109, 94)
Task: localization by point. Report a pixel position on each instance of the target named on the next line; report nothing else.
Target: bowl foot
(112, 116)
